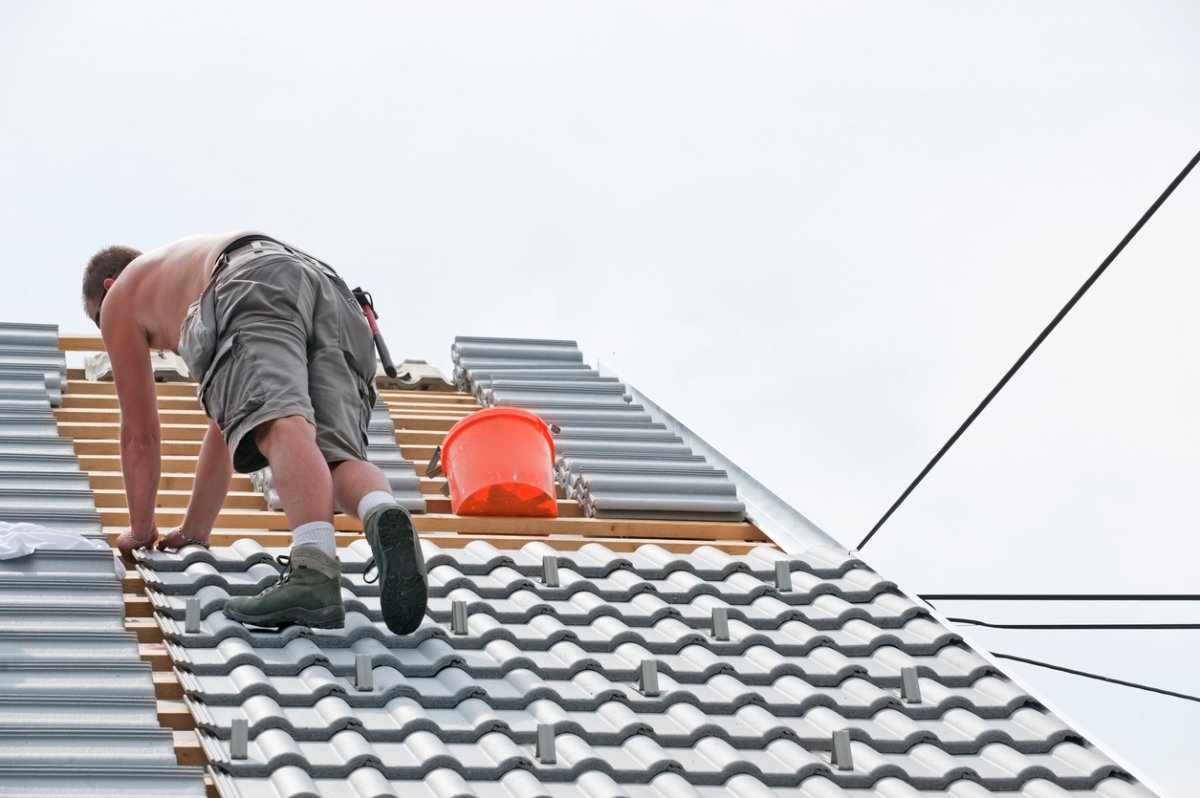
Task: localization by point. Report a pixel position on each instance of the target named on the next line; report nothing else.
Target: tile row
(639, 759)
(592, 560)
(588, 691)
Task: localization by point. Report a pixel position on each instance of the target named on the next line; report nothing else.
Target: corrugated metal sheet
(596, 423)
(383, 451)
(77, 705)
(29, 353)
(611, 674)
(40, 480)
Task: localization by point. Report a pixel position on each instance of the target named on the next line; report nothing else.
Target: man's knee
(280, 430)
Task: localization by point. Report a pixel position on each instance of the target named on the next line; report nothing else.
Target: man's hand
(179, 537)
(127, 543)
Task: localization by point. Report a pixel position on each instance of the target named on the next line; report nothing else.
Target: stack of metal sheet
(383, 451)
(77, 704)
(598, 674)
(612, 456)
(30, 357)
(40, 479)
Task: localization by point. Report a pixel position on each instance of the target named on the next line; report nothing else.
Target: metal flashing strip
(782, 523)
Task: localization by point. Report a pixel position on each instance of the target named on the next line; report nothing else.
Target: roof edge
(1023, 682)
(786, 526)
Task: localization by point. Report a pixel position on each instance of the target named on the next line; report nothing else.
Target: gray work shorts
(290, 341)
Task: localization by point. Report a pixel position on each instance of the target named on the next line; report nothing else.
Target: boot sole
(325, 618)
(403, 593)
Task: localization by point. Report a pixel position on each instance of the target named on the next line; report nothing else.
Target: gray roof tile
(752, 715)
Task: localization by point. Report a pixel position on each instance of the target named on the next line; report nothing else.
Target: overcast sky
(816, 233)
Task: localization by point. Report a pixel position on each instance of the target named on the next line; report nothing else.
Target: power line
(931, 597)
(1033, 347)
(1099, 626)
(1098, 677)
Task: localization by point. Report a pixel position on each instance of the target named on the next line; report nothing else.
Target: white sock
(316, 533)
(376, 498)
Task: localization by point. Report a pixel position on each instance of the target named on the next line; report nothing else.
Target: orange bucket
(500, 461)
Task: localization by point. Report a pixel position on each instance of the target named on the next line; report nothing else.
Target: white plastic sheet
(21, 540)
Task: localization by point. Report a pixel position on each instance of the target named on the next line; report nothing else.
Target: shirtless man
(285, 363)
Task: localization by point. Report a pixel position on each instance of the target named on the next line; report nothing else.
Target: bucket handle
(434, 467)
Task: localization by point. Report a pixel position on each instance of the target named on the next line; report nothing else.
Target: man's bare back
(142, 308)
(157, 288)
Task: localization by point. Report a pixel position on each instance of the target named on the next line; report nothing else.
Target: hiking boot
(308, 592)
(397, 557)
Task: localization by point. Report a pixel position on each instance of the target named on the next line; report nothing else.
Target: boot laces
(284, 576)
(371, 567)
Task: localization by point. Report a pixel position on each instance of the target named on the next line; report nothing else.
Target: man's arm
(214, 469)
(129, 350)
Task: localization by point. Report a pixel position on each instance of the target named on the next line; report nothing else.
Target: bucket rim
(495, 412)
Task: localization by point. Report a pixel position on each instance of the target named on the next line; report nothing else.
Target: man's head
(99, 275)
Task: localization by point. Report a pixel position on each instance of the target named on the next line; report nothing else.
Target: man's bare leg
(362, 490)
(353, 480)
(301, 474)
(309, 590)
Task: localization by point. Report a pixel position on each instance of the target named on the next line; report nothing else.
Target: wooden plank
(156, 654)
(80, 343)
(458, 410)
(167, 686)
(438, 522)
(111, 461)
(432, 407)
(113, 480)
(109, 388)
(146, 629)
(188, 750)
(440, 424)
(420, 436)
(98, 415)
(590, 527)
(399, 397)
(84, 446)
(169, 499)
(283, 540)
(85, 401)
(138, 606)
(171, 433)
(175, 715)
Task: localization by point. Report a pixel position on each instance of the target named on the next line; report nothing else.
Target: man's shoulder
(198, 252)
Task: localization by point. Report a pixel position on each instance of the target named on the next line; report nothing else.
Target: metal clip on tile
(842, 758)
(720, 623)
(364, 674)
(783, 576)
(239, 739)
(458, 617)
(648, 678)
(545, 744)
(550, 571)
(910, 688)
(191, 615)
